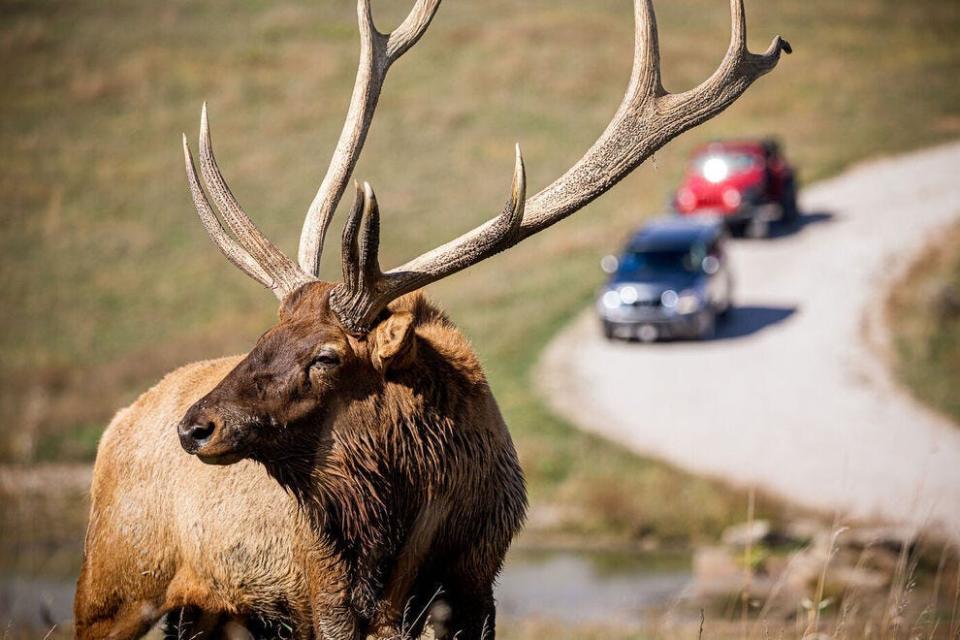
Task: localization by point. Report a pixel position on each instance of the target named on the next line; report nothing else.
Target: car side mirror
(609, 264)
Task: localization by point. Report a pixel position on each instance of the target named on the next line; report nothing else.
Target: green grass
(924, 313)
(108, 280)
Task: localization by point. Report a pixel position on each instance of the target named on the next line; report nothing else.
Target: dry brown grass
(923, 311)
(107, 280)
(919, 603)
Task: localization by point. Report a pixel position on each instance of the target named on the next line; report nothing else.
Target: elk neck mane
(369, 460)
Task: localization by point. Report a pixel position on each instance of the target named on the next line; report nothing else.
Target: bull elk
(357, 462)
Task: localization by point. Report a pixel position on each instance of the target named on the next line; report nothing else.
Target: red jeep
(747, 183)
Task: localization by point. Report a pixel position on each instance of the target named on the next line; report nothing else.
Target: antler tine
(285, 273)
(360, 263)
(227, 245)
(377, 53)
(366, 290)
(645, 80)
(496, 235)
(251, 251)
(737, 71)
(361, 241)
(368, 243)
(349, 251)
(411, 29)
(648, 118)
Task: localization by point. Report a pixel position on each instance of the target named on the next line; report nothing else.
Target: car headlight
(686, 199)
(611, 300)
(629, 295)
(689, 301)
(669, 298)
(731, 197)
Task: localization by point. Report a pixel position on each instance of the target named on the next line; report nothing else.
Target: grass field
(108, 280)
(924, 313)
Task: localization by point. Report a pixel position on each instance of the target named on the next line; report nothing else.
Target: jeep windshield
(717, 166)
(656, 263)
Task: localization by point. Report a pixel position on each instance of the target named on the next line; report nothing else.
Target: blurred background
(107, 281)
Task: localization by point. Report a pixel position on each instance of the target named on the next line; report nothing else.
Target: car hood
(654, 287)
(739, 181)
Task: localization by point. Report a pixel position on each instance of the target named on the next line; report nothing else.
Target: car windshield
(657, 262)
(717, 166)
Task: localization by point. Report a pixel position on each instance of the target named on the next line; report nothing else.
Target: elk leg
(126, 622)
(334, 617)
(472, 614)
(192, 623)
(339, 624)
(100, 611)
(409, 614)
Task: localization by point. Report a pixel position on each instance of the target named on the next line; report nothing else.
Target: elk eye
(325, 360)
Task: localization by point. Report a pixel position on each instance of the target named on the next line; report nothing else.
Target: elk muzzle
(215, 436)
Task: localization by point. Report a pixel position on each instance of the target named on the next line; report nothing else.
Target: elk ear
(395, 344)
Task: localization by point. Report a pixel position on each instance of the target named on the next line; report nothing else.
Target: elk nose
(195, 431)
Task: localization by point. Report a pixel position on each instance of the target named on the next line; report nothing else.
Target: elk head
(336, 339)
(301, 371)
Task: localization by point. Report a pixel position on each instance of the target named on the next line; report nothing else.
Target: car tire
(608, 332)
(724, 312)
(788, 203)
(758, 228)
(708, 326)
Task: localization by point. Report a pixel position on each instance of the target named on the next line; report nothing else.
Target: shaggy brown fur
(386, 474)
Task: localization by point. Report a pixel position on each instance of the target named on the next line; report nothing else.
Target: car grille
(653, 302)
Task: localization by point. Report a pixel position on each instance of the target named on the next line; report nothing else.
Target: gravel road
(793, 395)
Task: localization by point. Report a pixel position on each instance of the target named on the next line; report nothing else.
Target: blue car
(671, 280)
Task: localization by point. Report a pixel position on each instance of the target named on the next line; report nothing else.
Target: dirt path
(793, 395)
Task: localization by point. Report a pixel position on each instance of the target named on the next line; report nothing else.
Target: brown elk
(357, 460)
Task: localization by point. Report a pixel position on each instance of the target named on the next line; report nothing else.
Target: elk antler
(378, 52)
(647, 119)
(251, 251)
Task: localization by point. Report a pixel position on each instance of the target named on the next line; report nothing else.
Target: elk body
(387, 474)
(354, 465)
